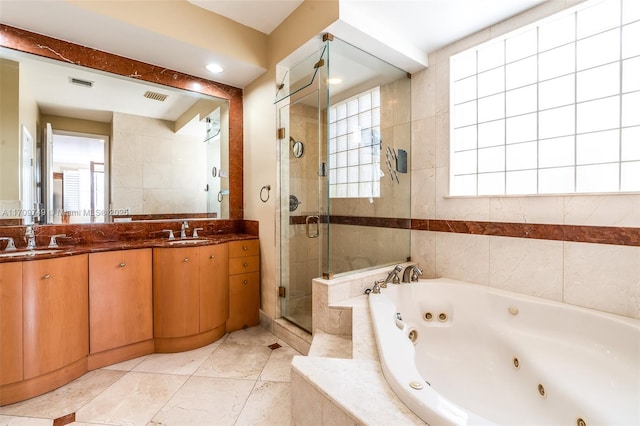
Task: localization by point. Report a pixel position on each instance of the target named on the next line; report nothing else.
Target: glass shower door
(302, 231)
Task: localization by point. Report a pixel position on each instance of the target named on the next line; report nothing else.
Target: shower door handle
(313, 220)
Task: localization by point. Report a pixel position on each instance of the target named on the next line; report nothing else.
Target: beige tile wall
(155, 170)
(602, 277)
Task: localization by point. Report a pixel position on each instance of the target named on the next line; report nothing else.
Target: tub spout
(411, 273)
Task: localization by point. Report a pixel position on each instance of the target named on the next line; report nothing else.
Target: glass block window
(551, 108)
(354, 146)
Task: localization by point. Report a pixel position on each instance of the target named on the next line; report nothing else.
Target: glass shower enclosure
(344, 133)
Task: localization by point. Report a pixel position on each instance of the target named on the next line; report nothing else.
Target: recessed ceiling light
(334, 80)
(214, 68)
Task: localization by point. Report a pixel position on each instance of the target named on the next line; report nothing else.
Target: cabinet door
(10, 322)
(56, 313)
(214, 286)
(244, 301)
(120, 301)
(176, 292)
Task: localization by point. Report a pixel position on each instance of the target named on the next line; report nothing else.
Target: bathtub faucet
(392, 277)
(376, 286)
(411, 273)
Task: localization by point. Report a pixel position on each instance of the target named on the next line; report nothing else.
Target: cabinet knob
(213, 256)
(245, 264)
(186, 259)
(122, 264)
(245, 248)
(245, 282)
(46, 276)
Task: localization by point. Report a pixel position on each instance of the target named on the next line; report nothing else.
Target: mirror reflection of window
(79, 161)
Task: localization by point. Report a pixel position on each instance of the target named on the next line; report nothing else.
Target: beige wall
(304, 23)
(260, 153)
(602, 277)
(17, 108)
(29, 111)
(194, 26)
(154, 170)
(9, 131)
(66, 124)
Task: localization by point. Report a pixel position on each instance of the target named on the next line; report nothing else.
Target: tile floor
(237, 380)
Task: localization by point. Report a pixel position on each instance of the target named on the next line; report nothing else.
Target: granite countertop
(97, 247)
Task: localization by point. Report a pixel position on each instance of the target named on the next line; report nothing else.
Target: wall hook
(262, 198)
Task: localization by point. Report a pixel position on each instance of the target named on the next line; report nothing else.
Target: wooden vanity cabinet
(190, 298)
(44, 325)
(176, 292)
(214, 289)
(120, 306)
(56, 314)
(10, 322)
(244, 284)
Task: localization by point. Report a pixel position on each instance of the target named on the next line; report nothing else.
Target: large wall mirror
(92, 137)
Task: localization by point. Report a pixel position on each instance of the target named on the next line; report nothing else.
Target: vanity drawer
(244, 248)
(242, 265)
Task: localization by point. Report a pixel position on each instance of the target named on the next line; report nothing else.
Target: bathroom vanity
(85, 306)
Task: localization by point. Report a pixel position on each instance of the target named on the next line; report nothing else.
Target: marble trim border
(615, 235)
(625, 236)
(380, 222)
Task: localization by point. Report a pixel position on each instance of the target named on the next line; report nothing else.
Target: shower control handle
(312, 220)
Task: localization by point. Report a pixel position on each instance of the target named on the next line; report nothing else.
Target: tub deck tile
(357, 387)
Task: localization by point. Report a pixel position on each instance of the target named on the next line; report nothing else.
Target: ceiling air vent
(80, 82)
(155, 96)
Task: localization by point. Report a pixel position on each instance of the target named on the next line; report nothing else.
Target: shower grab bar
(317, 223)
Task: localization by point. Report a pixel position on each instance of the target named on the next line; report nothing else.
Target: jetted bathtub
(458, 353)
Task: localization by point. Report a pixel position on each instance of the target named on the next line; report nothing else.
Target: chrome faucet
(53, 243)
(392, 277)
(183, 229)
(10, 245)
(195, 232)
(376, 286)
(30, 236)
(170, 231)
(411, 273)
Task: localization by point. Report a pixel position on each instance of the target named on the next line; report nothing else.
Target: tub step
(331, 346)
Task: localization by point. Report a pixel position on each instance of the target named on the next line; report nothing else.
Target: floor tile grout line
(99, 393)
(191, 375)
(245, 402)
(250, 341)
(168, 399)
(223, 340)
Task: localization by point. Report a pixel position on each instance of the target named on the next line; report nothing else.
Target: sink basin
(183, 242)
(27, 252)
